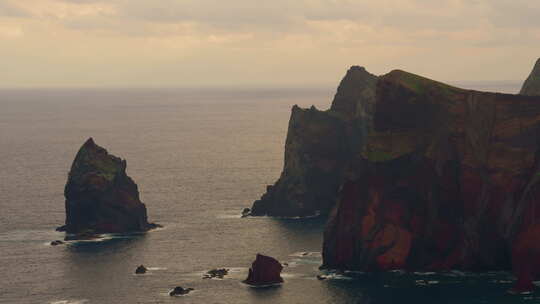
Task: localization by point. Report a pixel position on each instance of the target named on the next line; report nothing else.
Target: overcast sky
(194, 43)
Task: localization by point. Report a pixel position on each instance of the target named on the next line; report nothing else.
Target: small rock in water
(140, 270)
(321, 277)
(264, 271)
(180, 291)
(216, 273)
(56, 243)
(246, 212)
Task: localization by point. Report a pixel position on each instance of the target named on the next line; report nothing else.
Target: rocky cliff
(318, 147)
(448, 179)
(100, 197)
(531, 86)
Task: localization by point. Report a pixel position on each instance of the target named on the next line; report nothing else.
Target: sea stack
(264, 271)
(318, 147)
(100, 196)
(531, 86)
(448, 179)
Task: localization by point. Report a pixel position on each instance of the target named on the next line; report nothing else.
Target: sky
(261, 43)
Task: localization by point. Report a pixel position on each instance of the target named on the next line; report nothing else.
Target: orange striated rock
(448, 179)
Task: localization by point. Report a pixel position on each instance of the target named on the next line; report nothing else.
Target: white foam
(288, 275)
(335, 276)
(70, 301)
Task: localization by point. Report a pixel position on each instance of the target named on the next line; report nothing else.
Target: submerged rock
(180, 291)
(56, 243)
(141, 269)
(216, 273)
(531, 86)
(264, 271)
(100, 196)
(318, 147)
(448, 179)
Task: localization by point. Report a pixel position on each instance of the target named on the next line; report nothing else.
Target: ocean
(199, 156)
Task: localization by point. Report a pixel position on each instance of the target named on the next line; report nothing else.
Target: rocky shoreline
(413, 175)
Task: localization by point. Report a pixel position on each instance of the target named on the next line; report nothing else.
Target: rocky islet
(101, 197)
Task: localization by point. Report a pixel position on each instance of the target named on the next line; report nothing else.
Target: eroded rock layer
(318, 147)
(448, 179)
(100, 196)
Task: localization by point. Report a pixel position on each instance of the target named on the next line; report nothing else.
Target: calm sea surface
(199, 157)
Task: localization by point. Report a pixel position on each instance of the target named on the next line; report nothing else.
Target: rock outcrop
(264, 271)
(141, 269)
(449, 179)
(218, 273)
(100, 196)
(318, 148)
(531, 86)
(180, 291)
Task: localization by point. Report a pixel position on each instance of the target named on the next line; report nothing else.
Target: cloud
(434, 36)
(10, 32)
(7, 9)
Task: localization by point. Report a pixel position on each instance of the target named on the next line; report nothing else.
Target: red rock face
(448, 180)
(264, 271)
(100, 197)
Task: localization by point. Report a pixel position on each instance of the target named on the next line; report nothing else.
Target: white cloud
(435, 37)
(10, 32)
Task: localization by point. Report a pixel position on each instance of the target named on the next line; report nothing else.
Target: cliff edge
(318, 147)
(449, 179)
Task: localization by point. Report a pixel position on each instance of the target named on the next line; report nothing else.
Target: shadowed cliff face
(531, 86)
(318, 147)
(100, 197)
(448, 179)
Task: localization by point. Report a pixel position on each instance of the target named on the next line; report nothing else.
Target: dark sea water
(199, 157)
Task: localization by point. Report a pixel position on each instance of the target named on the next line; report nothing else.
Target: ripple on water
(30, 236)
(307, 254)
